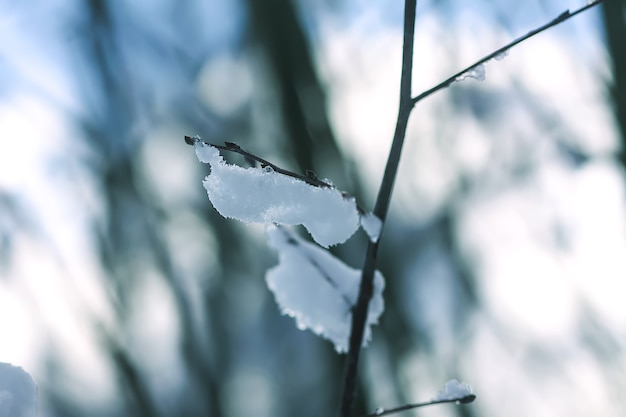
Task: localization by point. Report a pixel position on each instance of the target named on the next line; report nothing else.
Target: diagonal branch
(498, 52)
(310, 178)
(385, 411)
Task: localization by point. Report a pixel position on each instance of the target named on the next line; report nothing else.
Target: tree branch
(498, 52)
(310, 178)
(385, 411)
(359, 314)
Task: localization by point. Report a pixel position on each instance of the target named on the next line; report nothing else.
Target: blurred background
(124, 293)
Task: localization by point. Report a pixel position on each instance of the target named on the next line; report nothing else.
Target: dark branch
(366, 288)
(310, 178)
(385, 411)
(498, 52)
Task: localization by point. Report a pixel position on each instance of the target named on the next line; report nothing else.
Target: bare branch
(385, 411)
(366, 288)
(557, 20)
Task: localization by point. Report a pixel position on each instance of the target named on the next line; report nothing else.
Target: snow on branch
(454, 391)
(317, 289)
(264, 195)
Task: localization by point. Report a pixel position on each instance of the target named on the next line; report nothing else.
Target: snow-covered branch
(264, 195)
(309, 178)
(310, 284)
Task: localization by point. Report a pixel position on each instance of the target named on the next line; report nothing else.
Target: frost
(478, 73)
(372, 226)
(453, 390)
(317, 289)
(261, 195)
(18, 392)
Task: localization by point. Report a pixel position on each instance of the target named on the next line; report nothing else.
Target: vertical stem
(359, 314)
(614, 14)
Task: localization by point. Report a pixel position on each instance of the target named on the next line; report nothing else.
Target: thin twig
(310, 178)
(366, 288)
(385, 411)
(498, 52)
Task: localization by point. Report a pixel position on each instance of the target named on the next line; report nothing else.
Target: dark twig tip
(189, 140)
(467, 399)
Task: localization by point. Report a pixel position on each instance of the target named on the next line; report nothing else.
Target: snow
(501, 55)
(261, 195)
(478, 73)
(453, 390)
(18, 392)
(317, 289)
(372, 226)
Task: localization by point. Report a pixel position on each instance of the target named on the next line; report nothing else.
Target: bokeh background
(124, 293)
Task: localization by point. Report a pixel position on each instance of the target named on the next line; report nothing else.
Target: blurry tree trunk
(614, 14)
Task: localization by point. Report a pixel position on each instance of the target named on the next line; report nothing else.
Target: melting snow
(478, 73)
